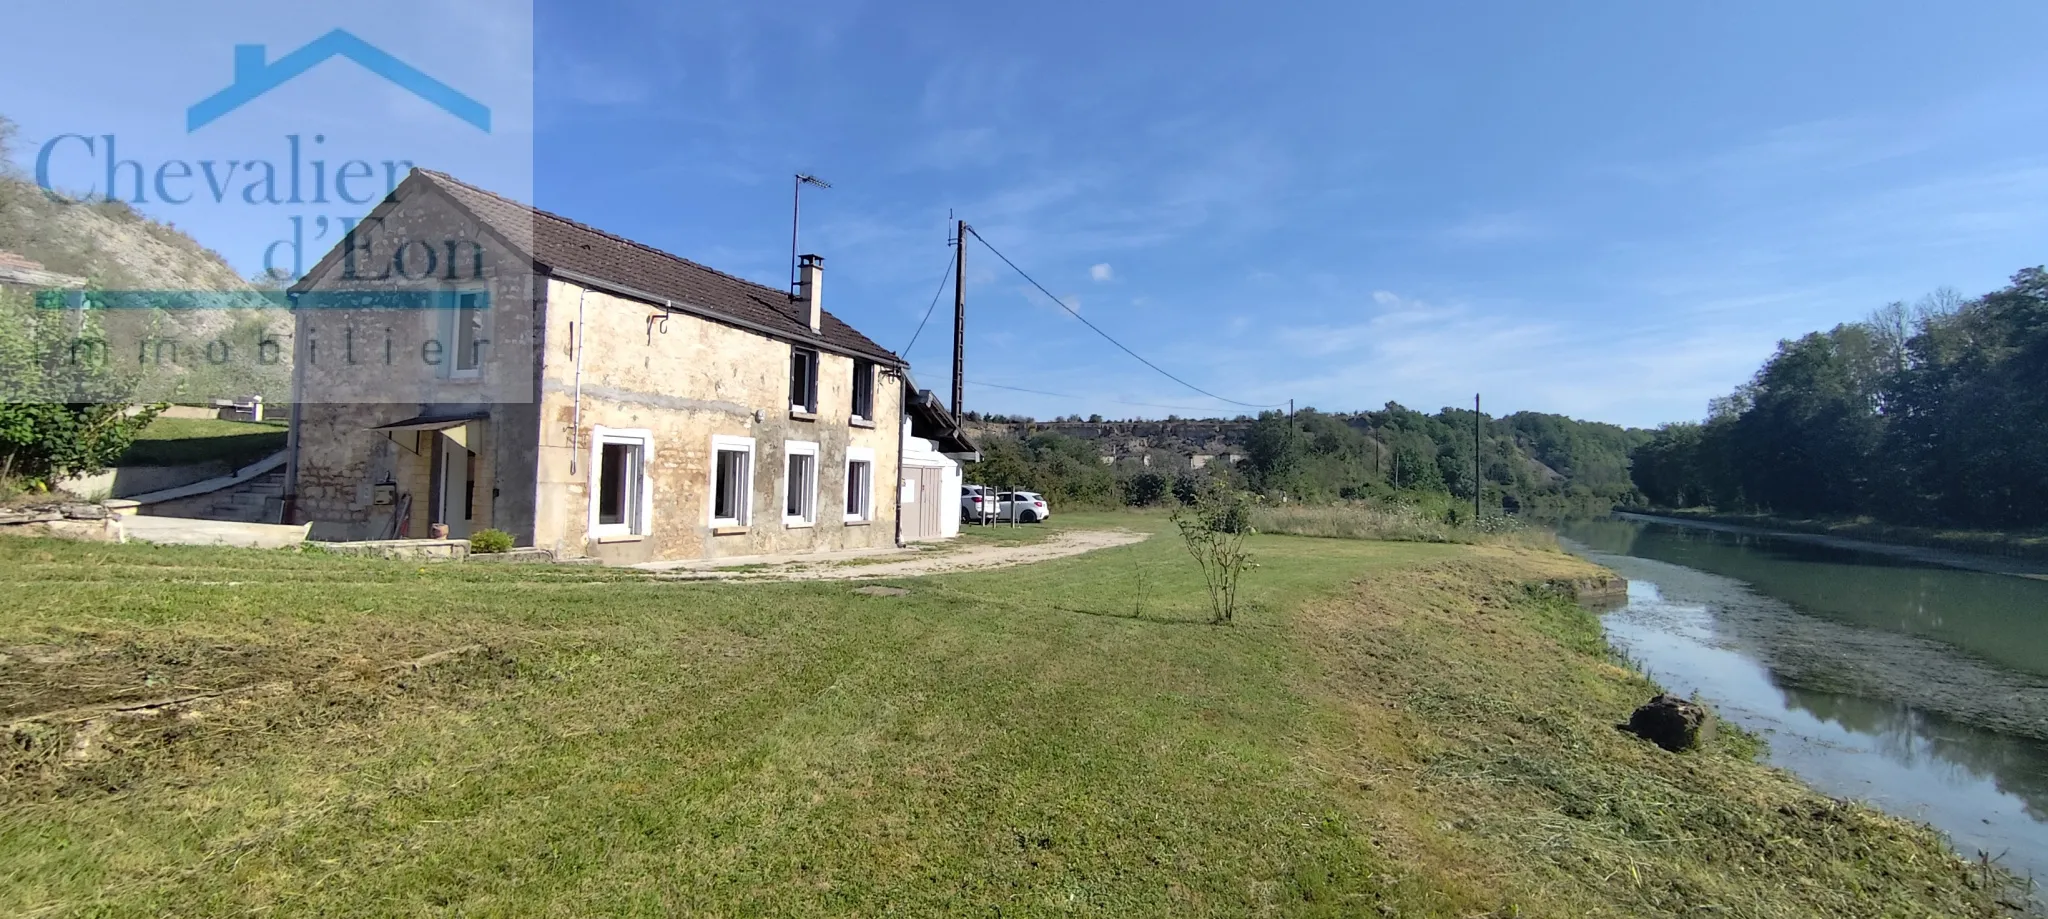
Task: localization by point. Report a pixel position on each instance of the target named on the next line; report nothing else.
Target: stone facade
(392, 361)
(685, 381)
(568, 363)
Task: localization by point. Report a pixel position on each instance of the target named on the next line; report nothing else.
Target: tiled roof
(563, 244)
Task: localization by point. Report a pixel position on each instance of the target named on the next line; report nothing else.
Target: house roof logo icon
(254, 76)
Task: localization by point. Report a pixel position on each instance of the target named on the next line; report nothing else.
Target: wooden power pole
(1477, 483)
(959, 319)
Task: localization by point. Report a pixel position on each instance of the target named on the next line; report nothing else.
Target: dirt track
(930, 561)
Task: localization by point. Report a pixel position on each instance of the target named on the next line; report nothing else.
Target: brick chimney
(810, 288)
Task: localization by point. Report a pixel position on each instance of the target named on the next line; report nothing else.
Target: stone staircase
(251, 494)
(254, 501)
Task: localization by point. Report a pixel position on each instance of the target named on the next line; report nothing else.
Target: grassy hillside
(105, 241)
(1390, 729)
(115, 248)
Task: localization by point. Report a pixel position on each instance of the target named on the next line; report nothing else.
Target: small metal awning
(438, 423)
(930, 420)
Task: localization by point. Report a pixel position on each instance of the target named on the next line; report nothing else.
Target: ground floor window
(860, 484)
(620, 489)
(800, 483)
(732, 480)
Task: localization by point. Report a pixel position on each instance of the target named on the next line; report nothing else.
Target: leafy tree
(1933, 414)
(63, 409)
(1272, 455)
(1063, 468)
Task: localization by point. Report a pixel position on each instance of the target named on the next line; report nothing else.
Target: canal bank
(1992, 551)
(1883, 676)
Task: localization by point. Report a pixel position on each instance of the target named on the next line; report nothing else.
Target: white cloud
(1101, 272)
(1427, 355)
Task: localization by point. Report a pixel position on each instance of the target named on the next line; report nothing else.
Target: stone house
(468, 360)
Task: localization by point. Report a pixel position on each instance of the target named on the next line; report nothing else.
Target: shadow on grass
(1134, 616)
(1025, 607)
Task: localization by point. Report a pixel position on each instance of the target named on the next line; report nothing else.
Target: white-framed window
(463, 336)
(621, 491)
(800, 483)
(860, 484)
(863, 390)
(803, 380)
(732, 480)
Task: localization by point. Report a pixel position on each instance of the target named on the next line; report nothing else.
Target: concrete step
(189, 532)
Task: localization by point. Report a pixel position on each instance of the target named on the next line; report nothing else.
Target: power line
(1063, 395)
(928, 309)
(1105, 335)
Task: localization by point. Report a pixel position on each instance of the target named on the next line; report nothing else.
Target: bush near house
(490, 542)
(58, 417)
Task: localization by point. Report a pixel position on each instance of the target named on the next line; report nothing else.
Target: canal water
(1920, 689)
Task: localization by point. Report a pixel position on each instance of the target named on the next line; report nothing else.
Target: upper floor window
(864, 390)
(457, 350)
(469, 334)
(803, 380)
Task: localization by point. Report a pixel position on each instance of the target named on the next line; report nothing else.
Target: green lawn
(1069, 738)
(182, 441)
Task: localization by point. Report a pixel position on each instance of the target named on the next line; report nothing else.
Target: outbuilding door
(924, 502)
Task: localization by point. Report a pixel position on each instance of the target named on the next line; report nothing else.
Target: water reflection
(1843, 661)
(1994, 617)
(1927, 741)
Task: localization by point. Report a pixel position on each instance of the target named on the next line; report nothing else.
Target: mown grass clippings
(1495, 707)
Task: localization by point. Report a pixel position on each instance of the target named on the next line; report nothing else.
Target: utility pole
(1477, 486)
(959, 318)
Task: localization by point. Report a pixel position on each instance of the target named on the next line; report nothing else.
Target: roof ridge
(445, 177)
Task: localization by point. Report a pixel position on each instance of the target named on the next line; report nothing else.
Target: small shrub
(1145, 489)
(1214, 528)
(488, 542)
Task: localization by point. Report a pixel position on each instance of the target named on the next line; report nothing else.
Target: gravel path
(929, 561)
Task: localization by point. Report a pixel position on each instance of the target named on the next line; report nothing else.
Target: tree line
(1933, 414)
(1528, 461)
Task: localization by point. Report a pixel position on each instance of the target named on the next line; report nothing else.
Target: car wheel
(1030, 517)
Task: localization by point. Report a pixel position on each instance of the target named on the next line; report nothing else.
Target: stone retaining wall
(88, 522)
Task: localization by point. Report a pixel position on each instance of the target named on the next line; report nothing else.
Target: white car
(977, 502)
(1022, 507)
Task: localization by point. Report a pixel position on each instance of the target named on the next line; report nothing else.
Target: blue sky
(1610, 211)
